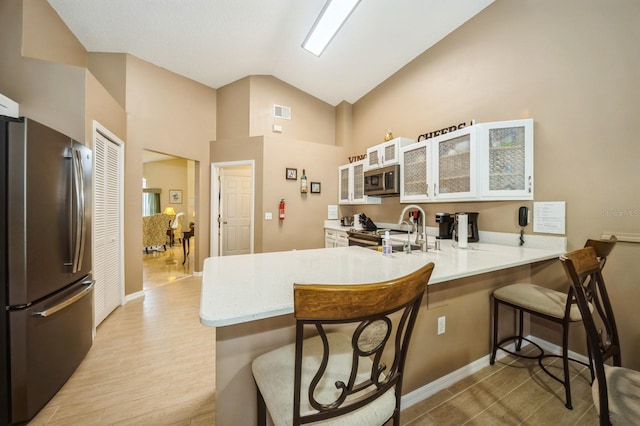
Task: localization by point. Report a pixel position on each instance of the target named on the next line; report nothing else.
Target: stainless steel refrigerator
(46, 322)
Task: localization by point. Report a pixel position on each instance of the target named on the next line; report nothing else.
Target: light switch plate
(268, 216)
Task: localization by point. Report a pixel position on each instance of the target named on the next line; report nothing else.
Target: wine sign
(357, 158)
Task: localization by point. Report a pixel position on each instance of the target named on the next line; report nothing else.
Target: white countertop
(237, 289)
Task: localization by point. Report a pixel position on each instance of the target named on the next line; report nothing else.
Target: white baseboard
(133, 296)
(444, 382)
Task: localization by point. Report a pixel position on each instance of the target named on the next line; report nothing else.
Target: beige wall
(52, 93)
(311, 119)
(167, 175)
(245, 109)
(233, 113)
(240, 150)
(170, 114)
(344, 124)
(164, 112)
(305, 213)
(307, 142)
(110, 69)
(103, 108)
(573, 67)
(52, 41)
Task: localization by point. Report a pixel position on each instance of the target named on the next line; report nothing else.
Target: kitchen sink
(396, 248)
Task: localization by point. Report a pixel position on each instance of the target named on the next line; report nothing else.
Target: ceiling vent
(283, 112)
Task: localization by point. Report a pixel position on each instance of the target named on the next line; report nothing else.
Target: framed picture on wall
(315, 187)
(175, 196)
(292, 174)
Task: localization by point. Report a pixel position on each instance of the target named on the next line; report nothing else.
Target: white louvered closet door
(107, 268)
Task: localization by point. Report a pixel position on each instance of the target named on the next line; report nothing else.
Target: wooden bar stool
(553, 305)
(615, 389)
(351, 371)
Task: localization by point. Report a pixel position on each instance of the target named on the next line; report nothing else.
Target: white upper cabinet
(506, 160)
(443, 168)
(455, 165)
(482, 162)
(351, 185)
(415, 172)
(386, 154)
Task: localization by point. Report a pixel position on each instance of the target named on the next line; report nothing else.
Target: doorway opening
(232, 207)
(168, 187)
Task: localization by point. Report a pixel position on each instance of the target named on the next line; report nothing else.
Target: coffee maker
(445, 225)
(472, 218)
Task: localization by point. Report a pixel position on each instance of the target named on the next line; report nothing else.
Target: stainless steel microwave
(382, 182)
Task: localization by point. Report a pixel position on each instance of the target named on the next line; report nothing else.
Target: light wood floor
(152, 363)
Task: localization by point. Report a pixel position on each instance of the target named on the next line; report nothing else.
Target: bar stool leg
(492, 360)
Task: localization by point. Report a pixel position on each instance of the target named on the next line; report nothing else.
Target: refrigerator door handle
(80, 222)
(67, 302)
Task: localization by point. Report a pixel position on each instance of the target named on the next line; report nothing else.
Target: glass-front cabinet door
(386, 154)
(358, 183)
(454, 168)
(351, 185)
(506, 159)
(345, 185)
(415, 169)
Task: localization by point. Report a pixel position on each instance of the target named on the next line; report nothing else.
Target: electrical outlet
(441, 324)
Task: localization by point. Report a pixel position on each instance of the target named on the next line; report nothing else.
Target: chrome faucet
(407, 245)
(421, 238)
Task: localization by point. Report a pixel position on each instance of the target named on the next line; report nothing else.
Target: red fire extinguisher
(282, 209)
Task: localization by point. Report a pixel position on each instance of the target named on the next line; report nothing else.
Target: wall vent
(280, 111)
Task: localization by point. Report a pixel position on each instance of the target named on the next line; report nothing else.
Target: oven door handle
(365, 242)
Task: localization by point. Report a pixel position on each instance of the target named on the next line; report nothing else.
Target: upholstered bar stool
(556, 306)
(351, 371)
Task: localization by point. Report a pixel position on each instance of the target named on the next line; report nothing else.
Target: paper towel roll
(463, 230)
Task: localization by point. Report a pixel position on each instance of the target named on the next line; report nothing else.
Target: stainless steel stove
(361, 237)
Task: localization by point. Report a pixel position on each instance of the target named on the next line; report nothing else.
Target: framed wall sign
(315, 187)
(292, 174)
(175, 196)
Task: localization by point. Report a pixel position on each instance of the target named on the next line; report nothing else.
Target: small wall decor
(292, 174)
(175, 196)
(315, 187)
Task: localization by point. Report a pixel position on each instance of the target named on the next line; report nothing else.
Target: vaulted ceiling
(217, 42)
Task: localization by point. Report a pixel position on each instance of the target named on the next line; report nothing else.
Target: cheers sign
(442, 131)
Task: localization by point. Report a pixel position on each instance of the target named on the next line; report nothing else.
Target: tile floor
(152, 363)
(165, 266)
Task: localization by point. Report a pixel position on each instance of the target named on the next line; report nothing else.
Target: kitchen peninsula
(249, 299)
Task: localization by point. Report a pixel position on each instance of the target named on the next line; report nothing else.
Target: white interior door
(235, 217)
(107, 219)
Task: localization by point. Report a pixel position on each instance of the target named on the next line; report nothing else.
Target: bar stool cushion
(274, 374)
(624, 398)
(539, 299)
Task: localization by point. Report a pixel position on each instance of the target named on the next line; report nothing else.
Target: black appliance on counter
(472, 226)
(445, 225)
(46, 323)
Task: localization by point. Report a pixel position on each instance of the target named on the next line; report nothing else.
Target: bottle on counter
(386, 244)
